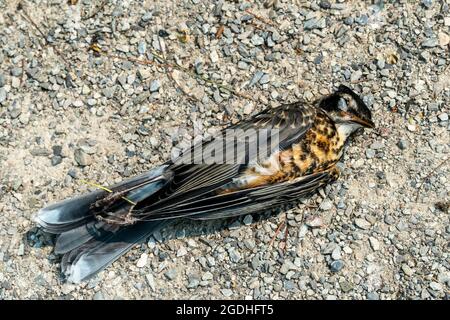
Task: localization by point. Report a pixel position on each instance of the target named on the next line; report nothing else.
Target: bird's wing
(195, 182)
(245, 201)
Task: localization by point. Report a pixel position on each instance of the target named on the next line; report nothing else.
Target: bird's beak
(364, 123)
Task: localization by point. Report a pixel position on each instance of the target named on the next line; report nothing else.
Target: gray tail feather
(89, 245)
(97, 253)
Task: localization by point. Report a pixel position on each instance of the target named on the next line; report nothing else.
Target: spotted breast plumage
(97, 228)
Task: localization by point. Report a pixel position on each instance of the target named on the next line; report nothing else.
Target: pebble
(444, 39)
(374, 243)
(337, 266)
(356, 75)
(362, 224)
(256, 78)
(436, 286)
(314, 221)
(370, 153)
(214, 56)
(403, 144)
(150, 281)
(430, 43)
(443, 117)
(154, 86)
(2, 95)
(227, 292)
(407, 270)
(99, 296)
(142, 261)
(373, 296)
(181, 252)
(82, 158)
(171, 274)
(326, 205)
(248, 219)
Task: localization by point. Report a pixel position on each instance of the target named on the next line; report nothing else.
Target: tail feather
(67, 214)
(97, 254)
(89, 245)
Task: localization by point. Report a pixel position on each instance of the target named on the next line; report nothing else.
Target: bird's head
(347, 110)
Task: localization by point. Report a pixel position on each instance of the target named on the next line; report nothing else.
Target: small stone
(411, 127)
(171, 274)
(154, 86)
(181, 252)
(142, 262)
(430, 43)
(248, 219)
(2, 80)
(235, 225)
(57, 150)
(444, 39)
(337, 265)
(346, 286)
(142, 47)
(374, 243)
(373, 296)
(40, 152)
(2, 95)
(150, 281)
(356, 76)
(402, 144)
(21, 250)
(56, 160)
(336, 254)
(256, 77)
(99, 296)
(329, 248)
(447, 21)
(163, 33)
(407, 270)
(82, 158)
(314, 222)
(436, 286)
(264, 79)
(427, 3)
(443, 117)
(381, 64)
(257, 40)
(370, 153)
(326, 205)
(325, 4)
(214, 56)
(362, 223)
(227, 292)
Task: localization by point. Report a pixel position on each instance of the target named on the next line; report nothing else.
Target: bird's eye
(342, 104)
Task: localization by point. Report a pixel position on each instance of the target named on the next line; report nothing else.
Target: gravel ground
(68, 114)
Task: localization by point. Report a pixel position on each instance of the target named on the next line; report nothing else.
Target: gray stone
(443, 116)
(403, 144)
(82, 158)
(171, 274)
(362, 224)
(373, 296)
(326, 205)
(2, 95)
(430, 43)
(154, 86)
(337, 266)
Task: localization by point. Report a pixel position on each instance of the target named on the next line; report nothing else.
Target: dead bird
(95, 229)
